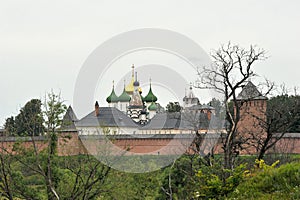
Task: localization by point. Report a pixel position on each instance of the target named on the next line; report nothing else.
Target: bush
(271, 183)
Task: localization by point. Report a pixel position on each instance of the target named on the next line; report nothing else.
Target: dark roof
(69, 119)
(176, 120)
(164, 121)
(108, 116)
(201, 107)
(250, 91)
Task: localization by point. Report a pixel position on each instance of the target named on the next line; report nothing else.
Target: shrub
(273, 183)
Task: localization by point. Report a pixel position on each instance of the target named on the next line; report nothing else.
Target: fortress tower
(253, 107)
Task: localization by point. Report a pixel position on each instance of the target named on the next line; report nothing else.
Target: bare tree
(231, 69)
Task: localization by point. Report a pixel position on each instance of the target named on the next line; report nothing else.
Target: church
(138, 124)
(140, 109)
(132, 113)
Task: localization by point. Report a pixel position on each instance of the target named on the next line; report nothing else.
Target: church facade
(140, 109)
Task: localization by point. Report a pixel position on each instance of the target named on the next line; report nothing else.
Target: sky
(43, 44)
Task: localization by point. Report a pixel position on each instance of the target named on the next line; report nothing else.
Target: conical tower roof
(69, 119)
(150, 97)
(250, 91)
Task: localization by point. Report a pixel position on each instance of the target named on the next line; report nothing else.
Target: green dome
(150, 97)
(152, 107)
(124, 97)
(112, 98)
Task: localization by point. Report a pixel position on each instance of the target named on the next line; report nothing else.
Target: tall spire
(136, 83)
(129, 88)
(132, 70)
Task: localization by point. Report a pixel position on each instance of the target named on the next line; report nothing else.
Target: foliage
(262, 165)
(219, 107)
(54, 109)
(283, 114)
(274, 183)
(10, 126)
(29, 122)
(190, 179)
(178, 179)
(212, 183)
(173, 107)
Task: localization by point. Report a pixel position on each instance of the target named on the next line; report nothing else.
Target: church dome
(129, 88)
(136, 84)
(124, 97)
(150, 97)
(152, 107)
(112, 98)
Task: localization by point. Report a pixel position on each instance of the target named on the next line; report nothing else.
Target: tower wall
(250, 126)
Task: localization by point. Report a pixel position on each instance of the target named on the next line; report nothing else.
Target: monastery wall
(70, 143)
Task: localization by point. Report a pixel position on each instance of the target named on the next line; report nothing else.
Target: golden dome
(140, 90)
(130, 87)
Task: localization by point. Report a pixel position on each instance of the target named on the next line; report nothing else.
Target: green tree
(219, 107)
(10, 126)
(29, 122)
(173, 107)
(282, 116)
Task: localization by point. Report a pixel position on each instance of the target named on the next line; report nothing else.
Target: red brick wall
(70, 144)
(10, 145)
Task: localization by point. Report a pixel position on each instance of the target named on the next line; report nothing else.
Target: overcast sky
(43, 44)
